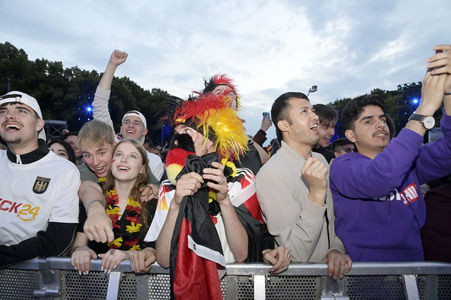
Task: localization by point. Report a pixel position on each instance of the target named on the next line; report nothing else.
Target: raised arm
(440, 63)
(100, 104)
(389, 168)
(435, 156)
(260, 136)
(432, 91)
(117, 58)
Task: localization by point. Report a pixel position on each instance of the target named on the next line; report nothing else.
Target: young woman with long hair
(130, 217)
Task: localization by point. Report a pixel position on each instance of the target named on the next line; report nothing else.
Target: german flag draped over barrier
(196, 252)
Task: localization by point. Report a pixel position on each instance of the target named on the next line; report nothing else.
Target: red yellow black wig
(222, 79)
(212, 117)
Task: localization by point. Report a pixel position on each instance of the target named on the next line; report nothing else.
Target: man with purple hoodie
(377, 198)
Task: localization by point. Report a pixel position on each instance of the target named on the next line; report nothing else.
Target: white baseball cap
(136, 114)
(19, 97)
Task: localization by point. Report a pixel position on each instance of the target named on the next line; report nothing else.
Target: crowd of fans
(216, 196)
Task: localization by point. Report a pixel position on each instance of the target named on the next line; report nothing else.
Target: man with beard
(38, 189)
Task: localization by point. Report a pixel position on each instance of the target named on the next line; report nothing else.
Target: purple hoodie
(378, 202)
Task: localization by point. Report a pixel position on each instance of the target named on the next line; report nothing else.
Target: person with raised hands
(379, 206)
(134, 123)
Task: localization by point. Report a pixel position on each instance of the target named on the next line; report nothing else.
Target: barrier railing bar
(114, 280)
(296, 269)
(259, 287)
(232, 287)
(358, 268)
(332, 289)
(411, 288)
(431, 286)
(427, 272)
(142, 287)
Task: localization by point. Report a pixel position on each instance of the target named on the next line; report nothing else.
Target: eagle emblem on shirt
(40, 185)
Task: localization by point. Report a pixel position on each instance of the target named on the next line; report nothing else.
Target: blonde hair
(95, 132)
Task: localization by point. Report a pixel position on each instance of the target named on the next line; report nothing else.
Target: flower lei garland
(126, 231)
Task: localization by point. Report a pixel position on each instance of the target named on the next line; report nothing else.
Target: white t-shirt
(155, 165)
(32, 195)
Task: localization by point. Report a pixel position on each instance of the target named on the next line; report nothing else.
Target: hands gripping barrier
(55, 278)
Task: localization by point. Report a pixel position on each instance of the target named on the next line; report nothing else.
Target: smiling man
(292, 188)
(96, 141)
(379, 206)
(38, 189)
(328, 118)
(134, 124)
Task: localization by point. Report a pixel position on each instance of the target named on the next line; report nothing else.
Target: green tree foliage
(65, 93)
(400, 105)
(394, 100)
(13, 65)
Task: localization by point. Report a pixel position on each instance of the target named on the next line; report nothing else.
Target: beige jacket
(295, 221)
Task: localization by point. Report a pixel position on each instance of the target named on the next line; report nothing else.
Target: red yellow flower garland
(126, 237)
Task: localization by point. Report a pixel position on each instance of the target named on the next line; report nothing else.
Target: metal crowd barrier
(55, 278)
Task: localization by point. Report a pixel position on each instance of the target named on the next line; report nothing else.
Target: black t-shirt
(251, 159)
(328, 154)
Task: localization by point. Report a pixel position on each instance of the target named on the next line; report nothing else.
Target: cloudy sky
(345, 47)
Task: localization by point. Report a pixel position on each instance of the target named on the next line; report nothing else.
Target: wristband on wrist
(447, 94)
(92, 201)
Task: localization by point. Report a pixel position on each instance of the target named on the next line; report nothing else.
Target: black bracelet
(447, 94)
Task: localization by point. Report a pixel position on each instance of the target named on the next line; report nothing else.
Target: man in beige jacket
(293, 191)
